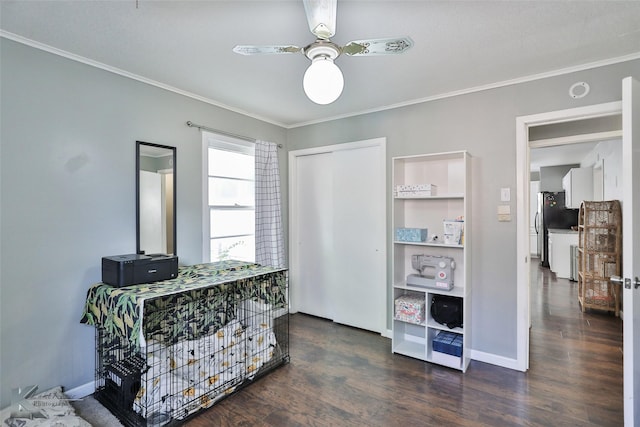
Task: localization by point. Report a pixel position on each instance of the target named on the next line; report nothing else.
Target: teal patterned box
(411, 234)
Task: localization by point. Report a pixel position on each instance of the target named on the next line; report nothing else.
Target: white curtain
(269, 237)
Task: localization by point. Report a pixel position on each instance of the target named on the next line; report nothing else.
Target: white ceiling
(459, 45)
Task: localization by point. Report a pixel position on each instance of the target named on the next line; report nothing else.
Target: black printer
(133, 269)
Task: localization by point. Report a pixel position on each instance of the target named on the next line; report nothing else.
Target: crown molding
(123, 73)
(504, 83)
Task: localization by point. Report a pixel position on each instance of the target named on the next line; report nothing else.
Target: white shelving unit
(450, 172)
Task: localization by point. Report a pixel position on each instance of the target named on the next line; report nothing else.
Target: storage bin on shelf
(415, 190)
(415, 235)
(410, 308)
(447, 348)
(449, 343)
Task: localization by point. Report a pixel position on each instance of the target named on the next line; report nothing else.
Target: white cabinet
(449, 199)
(560, 242)
(578, 186)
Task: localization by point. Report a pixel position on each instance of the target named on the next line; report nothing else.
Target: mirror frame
(175, 205)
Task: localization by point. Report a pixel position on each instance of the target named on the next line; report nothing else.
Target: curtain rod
(233, 135)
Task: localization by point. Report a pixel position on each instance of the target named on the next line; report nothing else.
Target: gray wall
(484, 124)
(68, 136)
(155, 164)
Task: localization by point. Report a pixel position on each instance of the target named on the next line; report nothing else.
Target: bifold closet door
(313, 222)
(358, 224)
(338, 226)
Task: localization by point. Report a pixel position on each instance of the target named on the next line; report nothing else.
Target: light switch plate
(505, 194)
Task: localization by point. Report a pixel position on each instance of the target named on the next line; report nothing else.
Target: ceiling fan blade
(321, 15)
(377, 46)
(265, 50)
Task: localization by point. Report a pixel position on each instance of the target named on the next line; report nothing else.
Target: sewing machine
(434, 272)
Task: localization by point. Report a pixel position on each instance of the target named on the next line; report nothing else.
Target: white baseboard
(387, 333)
(81, 391)
(493, 359)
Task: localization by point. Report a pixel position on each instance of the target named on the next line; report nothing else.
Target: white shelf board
(423, 324)
(411, 349)
(455, 292)
(442, 197)
(437, 245)
(435, 325)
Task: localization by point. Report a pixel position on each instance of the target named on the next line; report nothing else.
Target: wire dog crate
(199, 347)
(599, 255)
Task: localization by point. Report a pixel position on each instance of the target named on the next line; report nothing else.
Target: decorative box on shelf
(415, 190)
(411, 234)
(410, 309)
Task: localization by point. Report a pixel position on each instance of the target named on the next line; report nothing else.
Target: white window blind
(230, 194)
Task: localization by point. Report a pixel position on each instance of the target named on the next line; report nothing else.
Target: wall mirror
(155, 198)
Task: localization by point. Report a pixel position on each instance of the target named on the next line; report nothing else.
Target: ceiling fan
(323, 81)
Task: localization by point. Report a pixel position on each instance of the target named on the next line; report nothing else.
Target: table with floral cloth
(174, 309)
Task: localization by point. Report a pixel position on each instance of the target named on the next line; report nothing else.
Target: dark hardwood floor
(341, 376)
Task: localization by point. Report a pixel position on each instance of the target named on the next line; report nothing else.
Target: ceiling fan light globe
(323, 81)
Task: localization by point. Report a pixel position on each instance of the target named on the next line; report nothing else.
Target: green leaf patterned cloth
(202, 299)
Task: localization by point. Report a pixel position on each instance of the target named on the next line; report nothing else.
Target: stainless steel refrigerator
(552, 214)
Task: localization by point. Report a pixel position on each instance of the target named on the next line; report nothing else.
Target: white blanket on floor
(54, 409)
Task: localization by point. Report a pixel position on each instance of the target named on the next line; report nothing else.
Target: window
(230, 198)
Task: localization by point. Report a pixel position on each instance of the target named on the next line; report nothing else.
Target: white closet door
(358, 224)
(311, 279)
(338, 233)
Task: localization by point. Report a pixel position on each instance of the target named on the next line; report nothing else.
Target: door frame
(381, 143)
(630, 248)
(523, 179)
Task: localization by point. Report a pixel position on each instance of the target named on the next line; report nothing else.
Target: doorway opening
(560, 331)
(525, 143)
